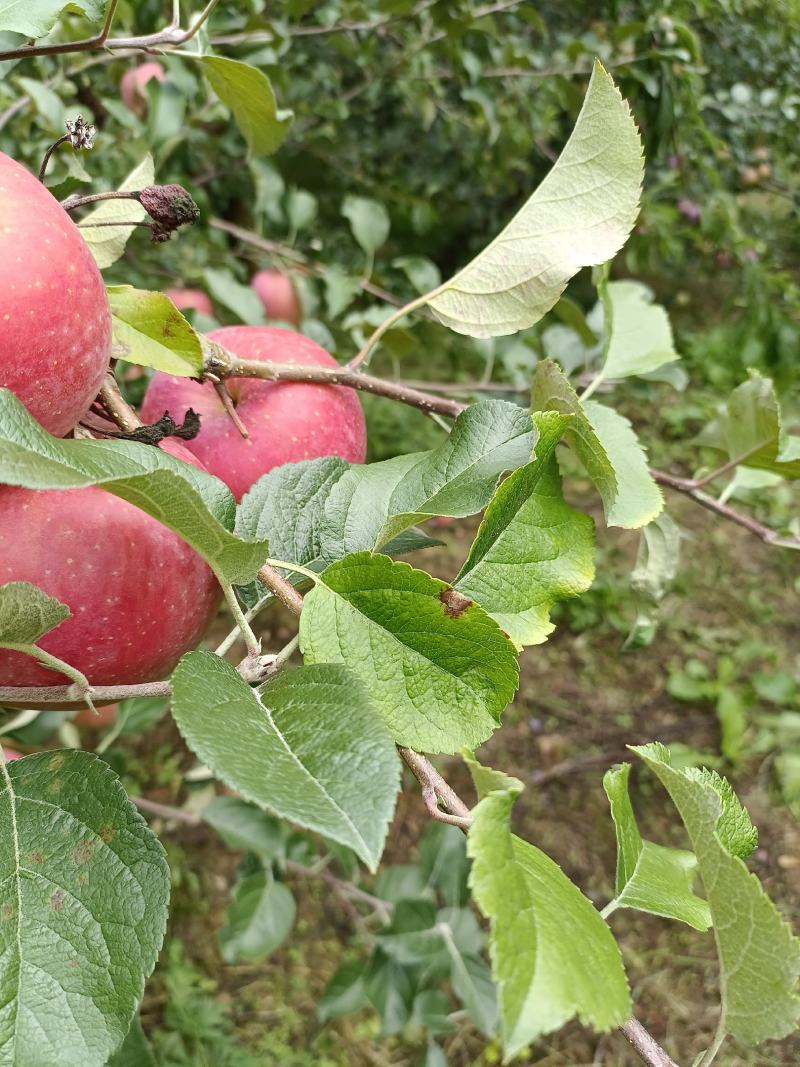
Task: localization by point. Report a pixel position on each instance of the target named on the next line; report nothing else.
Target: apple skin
(133, 82)
(276, 292)
(55, 323)
(86, 719)
(287, 421)
(11, 754)
(190, 298)
(140, 596)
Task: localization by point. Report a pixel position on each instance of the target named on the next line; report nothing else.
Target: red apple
(133, 81)
(190, 298)
(139, 595)
(11, 754)
(86, 719)
(55, 325)
(287, 421)
(276, 292)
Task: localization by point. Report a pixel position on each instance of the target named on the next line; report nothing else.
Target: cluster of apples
(139, 597)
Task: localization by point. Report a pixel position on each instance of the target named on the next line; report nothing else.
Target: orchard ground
(581, 699)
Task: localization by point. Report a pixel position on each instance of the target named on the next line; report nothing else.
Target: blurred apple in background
(195, 299)
(133, 81)
(86, 719)
(276, 292)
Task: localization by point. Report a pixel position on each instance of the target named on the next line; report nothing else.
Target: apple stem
(227, 403)
(251, 641)
(116, 406)
(48, 154)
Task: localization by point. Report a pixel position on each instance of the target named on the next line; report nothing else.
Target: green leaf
(438, 668)
(650, 877)
(749, 430)
(193, 504)
(249, 95)
(35, 18)
(553, 956)
(368, 220)
(472, 982)
(135, 1050)
(27, 613)
(301, 210)
(637, 331)
(372, 504)
(344, 994)
(259, 918)
(238, 298)
(532, 549)
(581, 215)
(107, 243)
(84, 887)
(197, 506)
(758, 956)
(150, 331)
(606, 445)
(245, 826)
(286, 507)
(309, 747)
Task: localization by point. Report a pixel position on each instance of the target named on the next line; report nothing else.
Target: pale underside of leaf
(639, 333)
(758, 956)
(549, 946)
(580, 215)
(28, 613)
(107, 243)
(607, 446)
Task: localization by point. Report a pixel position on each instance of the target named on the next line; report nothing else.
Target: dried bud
(170, 206)
(81, 133)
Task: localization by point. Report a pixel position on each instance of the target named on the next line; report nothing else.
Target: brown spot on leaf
(56, 761)
(57, 900)
(82, 852)
(55, 786)
(82, 879)
(73, 964)
(455, 603)
(106, 833)
(36, 857)
(6, 912)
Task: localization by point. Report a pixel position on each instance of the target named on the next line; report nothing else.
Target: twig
(646, 1045)
(435, 788)
(346, 889)
(25, 696)
(116, 406)
(72, 203)
(758, 529)
(291, 372)
(281, 588)
(171, 36)
(165, 811)
(300, 262)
